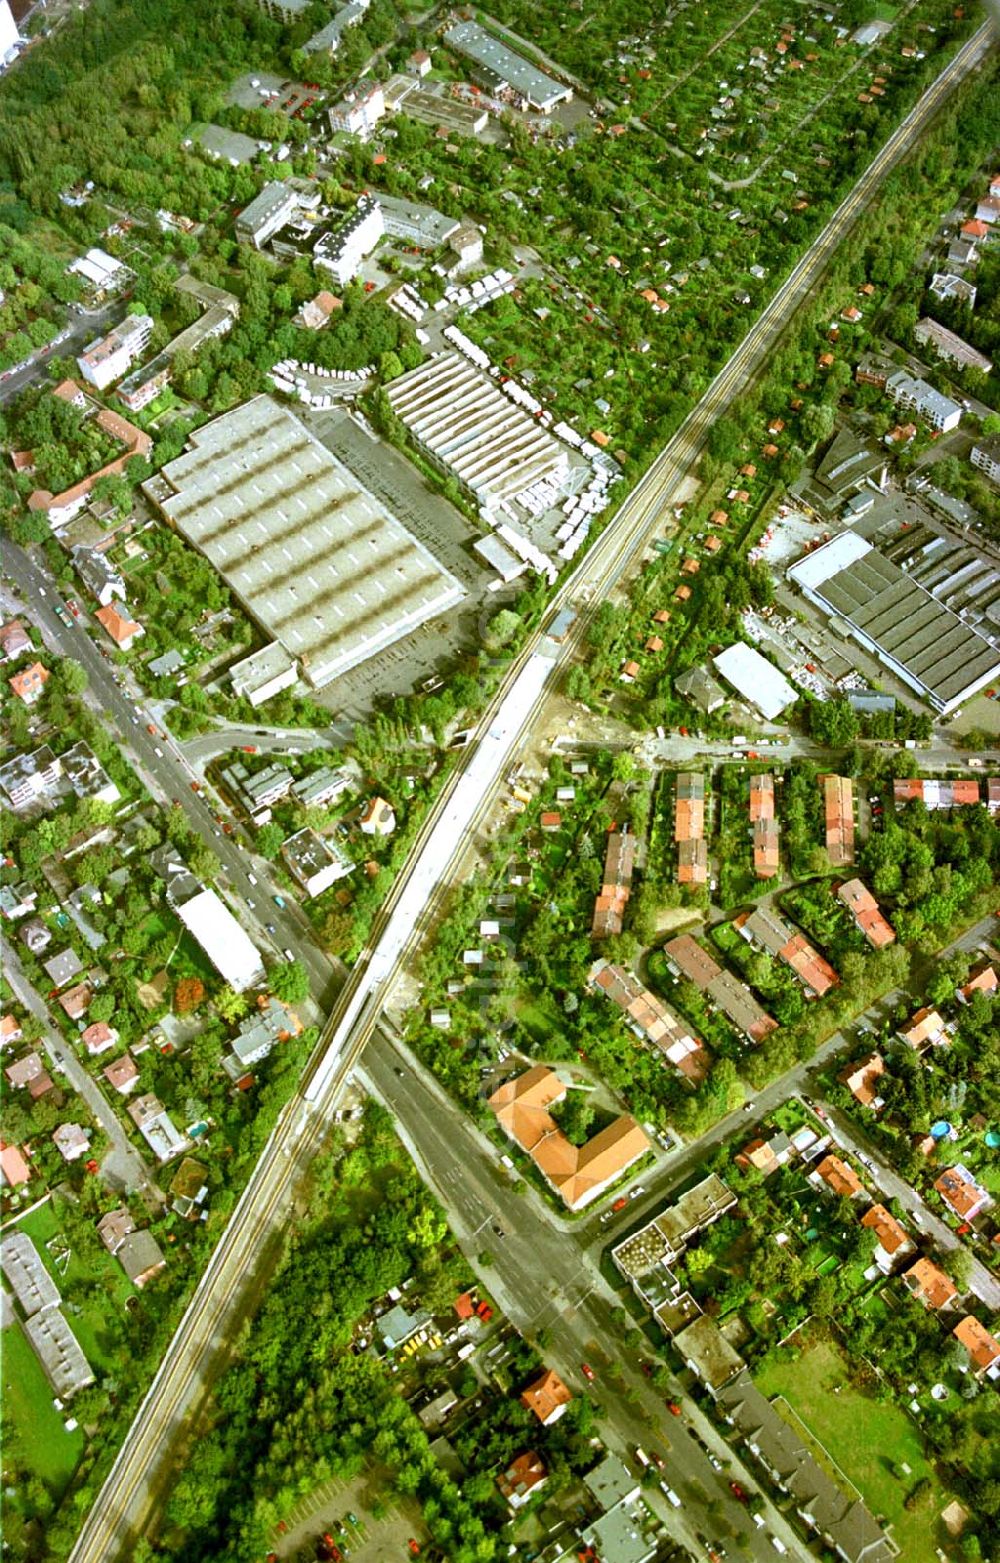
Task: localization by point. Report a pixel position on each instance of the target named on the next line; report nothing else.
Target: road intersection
(130, 1493)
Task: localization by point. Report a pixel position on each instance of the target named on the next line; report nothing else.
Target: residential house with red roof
(930, 1285)
(547, 1396)
(524, 1477)
(29, 684)
(864, 909)
(961, 1193)
(983, 1348)
(894, 1242)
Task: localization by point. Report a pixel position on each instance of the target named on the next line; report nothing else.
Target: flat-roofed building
(314, 861)
(950, 346)
(923, 642)
(232, 953)
(341, 250)
(501, 69)
(269, 210)
(986, 456)
(469, 429)
(662, 1241)
(109, 357)
(314, 558)
(756, 679)
(915, 395)
(359, 112)
(263, 674)
(708, 1354)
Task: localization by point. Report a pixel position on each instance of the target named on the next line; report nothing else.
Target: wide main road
(129, 1495)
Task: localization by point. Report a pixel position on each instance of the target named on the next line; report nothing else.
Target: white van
(670, 1495)
(778, 1545)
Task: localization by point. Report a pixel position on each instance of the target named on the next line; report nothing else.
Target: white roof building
(231, 951)
(463, 421)
(756, 679)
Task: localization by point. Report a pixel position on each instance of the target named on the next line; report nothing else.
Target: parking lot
(367, 1539)
(440, 527)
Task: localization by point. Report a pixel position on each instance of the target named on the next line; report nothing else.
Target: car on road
(152, 730)
(670, 1495)
(619, 1204)
(279, 900)
(587, 1372)
(74, 607)
(270, 928)
(288, 954)
(738, 1492)
(714, 1461)
(673, 1408)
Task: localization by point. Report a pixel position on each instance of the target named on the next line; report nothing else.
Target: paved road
(80, 330)
(543, 1282)
(129, 1492)
(981, 1281)
(123, 1168)
(163, 766)
(226, 736)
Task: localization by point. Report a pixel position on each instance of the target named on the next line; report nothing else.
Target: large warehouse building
(924, 643)
(318, 561)
(470, 429)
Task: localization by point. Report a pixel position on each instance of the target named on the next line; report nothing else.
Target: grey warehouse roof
(472, 40)
(319, 563)
(495, 448)
(928, 644)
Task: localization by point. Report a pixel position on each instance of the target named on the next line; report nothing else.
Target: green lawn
(865, 1437)
(96, 1323)
(34, 1426)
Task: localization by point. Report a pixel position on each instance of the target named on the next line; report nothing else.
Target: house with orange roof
(122, 630)
(661, 616)
(713, 543)
(894, 1242)
(838, 806)
(983, 1348)
(924, 1029)
(982, 978)
(718, 518)
(691, 566)
(547, 1396)
(864, 909)
(860, 1079)
(683, 593)
(609, 908)
(652, 1020)
(689, 828)
(961, 1193)
(766, 928)
(14, 1168)
(629, 671)
(60, 508)
(930, 1285)
(29, 684)
(523, 1478)
(838, 1176)
(578, 1174)
(764, 826)
(653, 644)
